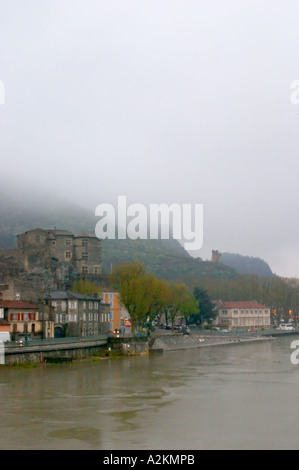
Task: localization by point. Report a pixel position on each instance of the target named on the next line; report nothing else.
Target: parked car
(186, 330)
(23, 339)
(286, 327)
(252, 331)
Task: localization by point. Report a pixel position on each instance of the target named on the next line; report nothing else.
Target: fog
(163, 102)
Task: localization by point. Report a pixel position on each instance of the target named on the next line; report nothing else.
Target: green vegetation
(206, 309)
(247, 264)
(146, 297)
(86, 288)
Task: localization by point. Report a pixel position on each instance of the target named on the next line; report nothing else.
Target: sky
(169, 101)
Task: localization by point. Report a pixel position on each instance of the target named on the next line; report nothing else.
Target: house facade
(78, 315)
(243, 315)
(111, 298)
(23, 317)
(4, 324)
(42, 247)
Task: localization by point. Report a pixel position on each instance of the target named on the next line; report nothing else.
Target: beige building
(23, 317)
(39, 247)
(245, 315)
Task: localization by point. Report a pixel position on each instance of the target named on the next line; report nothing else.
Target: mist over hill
(22, 210)
(247, 264)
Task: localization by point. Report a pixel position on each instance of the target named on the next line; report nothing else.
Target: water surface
(234, 397)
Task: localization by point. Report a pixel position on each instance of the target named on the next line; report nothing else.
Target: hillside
(165, 258)
(247, 264)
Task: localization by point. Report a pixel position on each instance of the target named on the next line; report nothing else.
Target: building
(39, 247)
(117, 313)
(78, 315)
(243, 315)
(4, 324)
(216, 257)
(23, 317)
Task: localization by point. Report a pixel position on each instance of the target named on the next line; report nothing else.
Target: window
(84, 305)
(84, 316)
(85, 256)
(84, 269)
(224, 312)
(90, 305)
(72, 304)
(68, 255)
(235, 312)
(72, 317)
(97, 270)
(68, 242)
(84, 242)
(110, 296)
(63, 318)
(111, 315)
(96, 305)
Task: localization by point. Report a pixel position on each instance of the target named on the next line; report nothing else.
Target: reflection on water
(235, 397)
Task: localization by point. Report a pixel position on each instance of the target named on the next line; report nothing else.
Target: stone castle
(39, 247)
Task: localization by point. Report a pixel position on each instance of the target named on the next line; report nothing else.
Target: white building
(243, 315)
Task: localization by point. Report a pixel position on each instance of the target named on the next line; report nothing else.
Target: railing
(50, 341)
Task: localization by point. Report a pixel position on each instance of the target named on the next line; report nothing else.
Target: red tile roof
(242, 304)
(16, 304)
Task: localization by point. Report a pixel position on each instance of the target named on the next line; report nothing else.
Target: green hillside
(165, 258)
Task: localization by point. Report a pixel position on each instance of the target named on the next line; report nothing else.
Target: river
(229, 397)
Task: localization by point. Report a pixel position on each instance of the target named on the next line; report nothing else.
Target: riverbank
(175, 342)
(117, 347)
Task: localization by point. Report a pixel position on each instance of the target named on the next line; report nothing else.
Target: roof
(243, 305)
(85, 235)
(17, 304)
(67, 295)
(61, 232)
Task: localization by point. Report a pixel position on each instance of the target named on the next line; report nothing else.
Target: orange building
(112, 298)
(118, 314)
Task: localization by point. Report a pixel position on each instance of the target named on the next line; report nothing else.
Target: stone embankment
(173, 342)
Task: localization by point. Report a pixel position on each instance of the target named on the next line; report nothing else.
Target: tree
(205, 307)
(86, 288)
(126, 279)
(189, 307)
(178, 296)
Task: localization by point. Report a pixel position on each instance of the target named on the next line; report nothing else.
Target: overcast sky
(162, 101)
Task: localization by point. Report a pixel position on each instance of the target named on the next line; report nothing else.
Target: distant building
(119, 316)
(216, 256)
(243, 315)
(23, 317)
(39, 247)
(78, 315)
